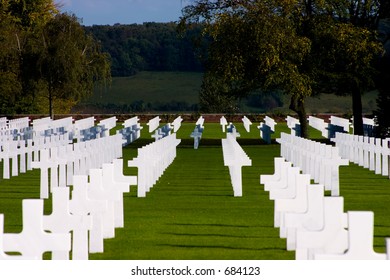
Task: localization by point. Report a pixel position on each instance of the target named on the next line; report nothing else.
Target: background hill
(179, 92)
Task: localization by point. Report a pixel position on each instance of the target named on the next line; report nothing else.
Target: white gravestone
(118, 174)
(233, 132)
(97, 191)
(82, 124)
(332, 238)
(197, 135)
(108, 124)
(344, 123)
(293, 124)
(152, 160)
(280, 177)
(288, 190)
(360, 239)
(385, 156)
(157, 135)
(277, 173)
(296, 204)
(81, 205)
(247, 123)
(234, 157)
(200, 121)
(153, 124)
(311, 220)
(320, 125)
(13, 152)
(4, 256)
(33, 241)
(177, 124)
(62, 221)
(43, 164)
(118, 187)
(5, 155)
(223, 122)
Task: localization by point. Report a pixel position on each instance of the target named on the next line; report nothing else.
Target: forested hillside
(148, 47)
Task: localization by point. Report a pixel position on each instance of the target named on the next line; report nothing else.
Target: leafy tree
(70, 62)
(45, 57)
(254, 45)
(9, 60)
(295, 46)
(382, 82)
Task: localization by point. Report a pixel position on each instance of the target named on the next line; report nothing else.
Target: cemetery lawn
(191, 212)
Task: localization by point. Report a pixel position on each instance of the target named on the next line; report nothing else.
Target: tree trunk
(51, 113)
(298, 106)
(357, 111)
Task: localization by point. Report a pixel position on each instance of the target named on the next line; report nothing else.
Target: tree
(9, 71)
(283, 44)
(70, 62)
(254, 45)
(382, 81)
(345, 63)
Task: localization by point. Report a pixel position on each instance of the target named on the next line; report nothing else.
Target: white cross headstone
(81, 205)
(378, 156)
(311, 220)
(234, 133)
(247, 123)
(3, 255)
(197, 135)
(200, 122)
(5, 155)
(223, 122)
(44, 164)
(177, 124)
(360, 239)
(234, 157)
(62, 221)
(280, 181)
(33, 241)
(117, 187)
(153, 124)
(118, 174)
(332, 238)
(100, 192)
(385, 156)
(297, 204)
(157, 135)
(264, 179)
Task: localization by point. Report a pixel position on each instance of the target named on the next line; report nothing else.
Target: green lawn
(191, 212)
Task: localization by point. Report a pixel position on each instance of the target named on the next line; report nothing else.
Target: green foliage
(214, 96)
(71, 62)
(382, 82)
(45, 58)
(295, 46)
(147, 47)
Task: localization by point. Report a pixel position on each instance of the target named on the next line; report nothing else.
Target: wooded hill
(148, 47)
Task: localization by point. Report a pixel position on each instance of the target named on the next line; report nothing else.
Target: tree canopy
(45, 58)
(299, 47)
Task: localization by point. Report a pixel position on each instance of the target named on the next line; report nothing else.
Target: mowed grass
(191, 212)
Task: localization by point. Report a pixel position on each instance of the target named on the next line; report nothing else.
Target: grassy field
(168, 87)
(191, 212)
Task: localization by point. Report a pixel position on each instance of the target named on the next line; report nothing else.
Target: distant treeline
(148, 47)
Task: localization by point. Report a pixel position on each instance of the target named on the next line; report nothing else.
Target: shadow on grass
(221, 247)
(218, 235)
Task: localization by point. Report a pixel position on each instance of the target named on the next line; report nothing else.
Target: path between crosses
(191, 213)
